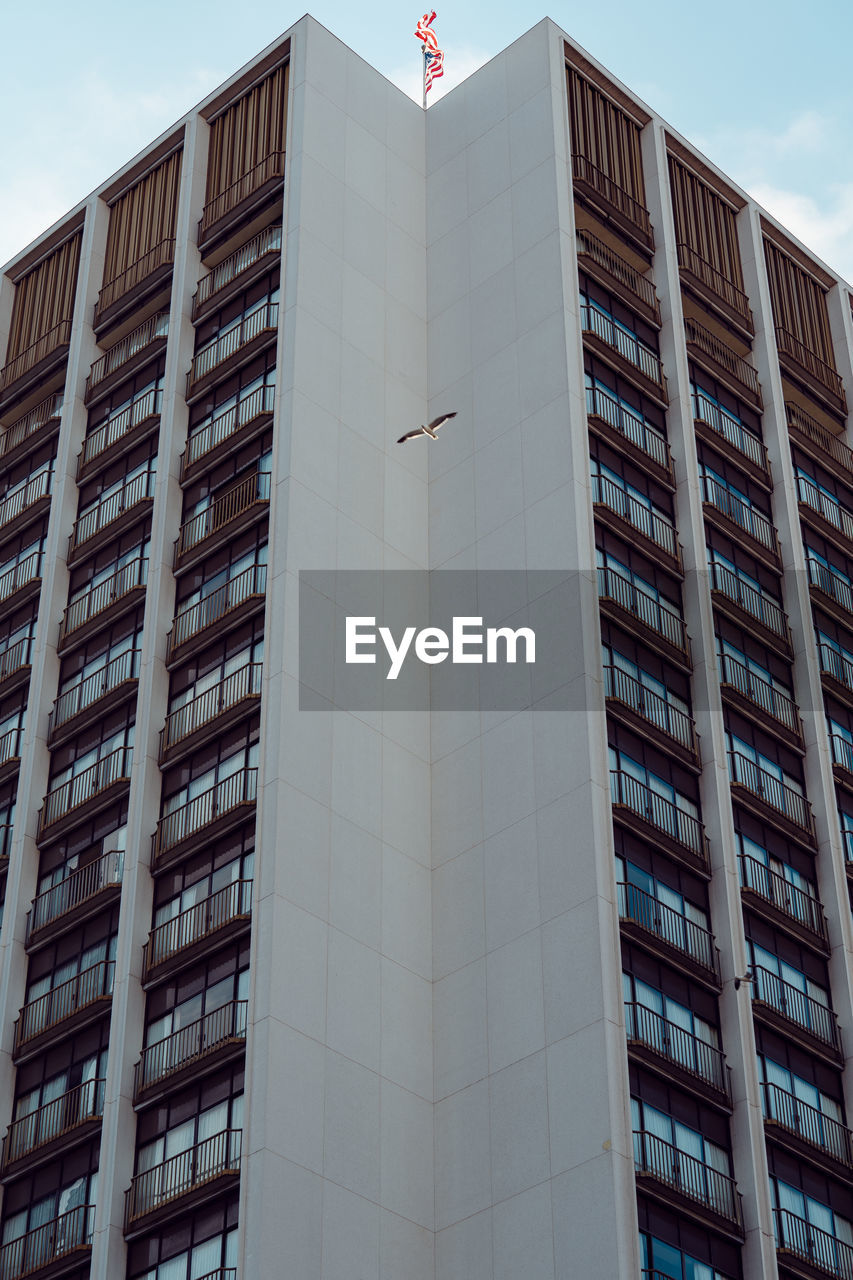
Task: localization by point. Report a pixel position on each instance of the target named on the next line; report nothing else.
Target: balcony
(787, 1008)
(626, 214)
(85, 794)
(681, 1180)
(36, 363)
(134, 284)
(10, 752)
(192, 1051)
(750, 607)
(684, 943)
(840, 749)
(103, 603)
(816, 377)
(237, 271)
(238, 343)
(825, 514)
(211, 922)
(243, 196)
(227, 432)
(636, 520)
(770, 895)
(653, 817)
(111, 515)
(740, 520)
(837, 672)
(53, 1127)
(25, 504)
(820, 443)
(727, 434)
(231, 511)
(224, 608)
(211, 712)
(677, 1054)
(650, 715)
(771, 799)
(91, 697)
(830, 590)
(16, 665)
(722, 362)
(808, 1251)
(183, 1181)
(209, 814)
(80, 895)
(68, 1007)
(617, 275)
(629, 432)
(711, 286)
(22, 582)
(622, 349)
(32, 430)
(7, 830)
(128, 355)
(806, 1130)
(628, 604)
(760, 700)
(119, 434)
(55, 1248)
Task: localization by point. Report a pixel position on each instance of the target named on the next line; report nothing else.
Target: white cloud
(827, 228)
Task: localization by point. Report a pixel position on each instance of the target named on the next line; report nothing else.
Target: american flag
(433, 56)
(424, 31)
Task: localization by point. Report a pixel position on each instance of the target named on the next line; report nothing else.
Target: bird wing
(440, 421)
(410, 435)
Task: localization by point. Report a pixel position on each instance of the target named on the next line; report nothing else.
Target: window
(672, 1029)
(664, 912)
(639, 596)
(682, 1157)
(801, 1107)
(764, 776)
(812, 1229)
(633, 505)
(197, 1247)
(665, 1260)
(756, 681)
(832, 580)
(651, 788)
(736, 504)
(727, 419)
(652, 698)
(835, 658)
(788, 990)
(778, 882)
(745, 590)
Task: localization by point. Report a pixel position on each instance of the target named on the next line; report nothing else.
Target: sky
(763, 89)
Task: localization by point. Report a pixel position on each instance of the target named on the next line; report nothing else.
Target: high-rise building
(412, 994)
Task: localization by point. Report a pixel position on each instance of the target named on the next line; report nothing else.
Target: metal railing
(191, 1043)
(207, 438)
(100, 597)
(817, 433)
(671, 720)
(678, 1046)
(826, 1252)
(243, 683)
(150, 331)
(48, 1243)
(742, 513)
(6, 832)
(230, 342)
(18, 655)
(667, 924)
(583, 170)
(795, 1005)
(830, 508)
(134, 274)
(26, 570)
(272, 166)
(48, 411)
(115, 428)
(660, 529)
(770, 788)
(644, 606)
(109, 508)
(630, 424)
(74, 890)
(183, 1172)
(840, 748)
(791, 346)
(10, 744)
(830, 582)
(833, 663)
(84, 989)
(266, 241)
(627, 344)
(241, 788)
(796, 903)
(76, 791)
(205, 613)
(124, 667)
(58, 336)
(616, 266)
(721, 353)
(807, 1122)
(26, 495)
(254, 489)
(690, 260)
(757, 603)
(53, 1119)
(730, 428)
(760, 692)
(655, 809)
(693, 1178)
(234, 902)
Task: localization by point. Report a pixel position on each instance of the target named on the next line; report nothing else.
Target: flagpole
(424, 52)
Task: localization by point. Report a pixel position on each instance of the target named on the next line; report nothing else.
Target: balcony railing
(806, 1122)
(616, 266)
(16, 657)
(797, 904)
(671, 720)
(241, 684)
(31, 423)
(111, 507)
(78, 887)
(53, 1120)
(684, 1173)
(840, 749)
(154, 328)
(198, 922)
(63, 800)
(10, 744)
(722, 354)
(830, 508)
(58, 336)
(817, 434)
(658, 528)
(833, 663)
(743, 514)
(206, 613)
(102, 596)
(239, 789)
(231, 341)
(796, 1006)
(86, 692)
(678, 1046)
(6, 832)
(20, 575)
(47, 1244)
(655, 809)
(191, 1044)
(27, 495)
(760, 692)
(823, 373)
(583, 170)
(272, 166)
(830, 582)
(757, 603)
(253, 490)
(159, 256)
(629, 424)
(731, 429)
(627, 344)
(771, 789)
(78, 993)
(670, 926)
(826, 1252)
(711, 278)
(266, 241)
(645, 607)
(221, 428)
(183, 1173)
(115, 428)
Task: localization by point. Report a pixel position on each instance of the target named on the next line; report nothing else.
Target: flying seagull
(428, 431)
